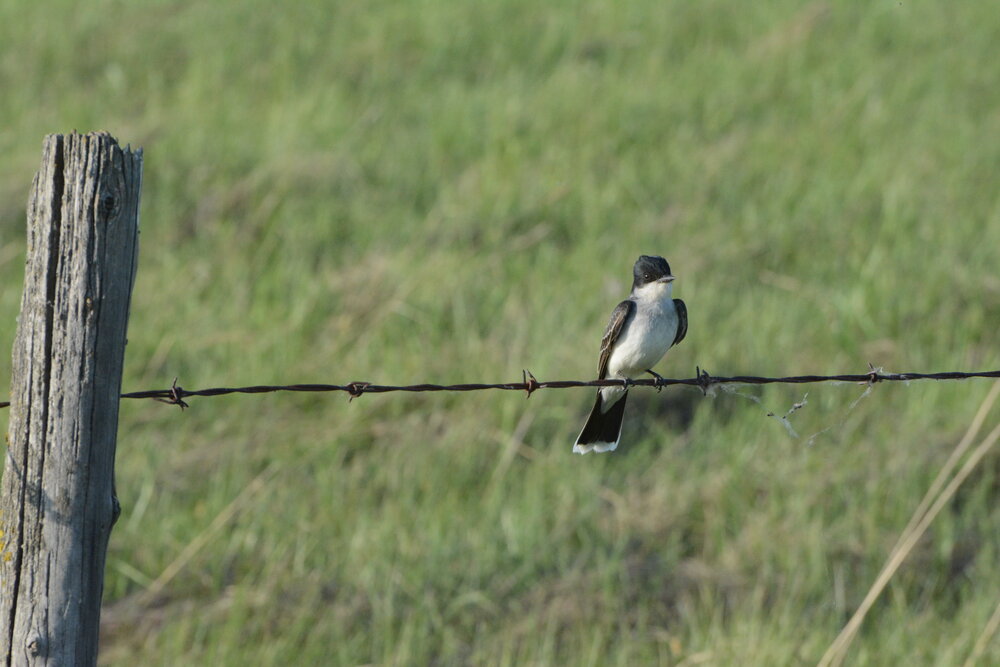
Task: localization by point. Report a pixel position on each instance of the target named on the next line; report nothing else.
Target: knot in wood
(36, 647)
(108, 205)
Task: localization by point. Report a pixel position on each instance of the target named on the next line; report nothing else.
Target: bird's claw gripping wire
(659, 380)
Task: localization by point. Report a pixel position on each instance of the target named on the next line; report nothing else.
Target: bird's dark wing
(622, 313)
(682, 321)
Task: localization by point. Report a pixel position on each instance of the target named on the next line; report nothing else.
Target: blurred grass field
(447, 192)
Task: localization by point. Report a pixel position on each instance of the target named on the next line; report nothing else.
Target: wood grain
(57, 502)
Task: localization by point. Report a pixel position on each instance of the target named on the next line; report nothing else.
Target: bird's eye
(645, 277)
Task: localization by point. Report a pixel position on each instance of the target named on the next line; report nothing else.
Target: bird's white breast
(646, 338)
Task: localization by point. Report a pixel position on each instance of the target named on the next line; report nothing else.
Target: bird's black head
(649, 269)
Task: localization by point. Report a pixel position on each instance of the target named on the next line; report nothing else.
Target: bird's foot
(659, 380)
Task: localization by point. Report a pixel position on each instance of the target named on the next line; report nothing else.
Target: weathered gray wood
(57, 502)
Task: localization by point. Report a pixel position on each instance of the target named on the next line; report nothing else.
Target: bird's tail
(603, 428)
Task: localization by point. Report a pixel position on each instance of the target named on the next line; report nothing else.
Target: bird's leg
(659, 380)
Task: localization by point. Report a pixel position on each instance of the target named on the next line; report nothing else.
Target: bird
(641, 330)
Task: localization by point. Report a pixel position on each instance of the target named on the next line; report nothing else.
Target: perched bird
(641, 330)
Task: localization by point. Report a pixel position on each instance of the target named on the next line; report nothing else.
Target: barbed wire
(176, 394)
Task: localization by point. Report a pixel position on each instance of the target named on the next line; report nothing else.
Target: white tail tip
(599, 447)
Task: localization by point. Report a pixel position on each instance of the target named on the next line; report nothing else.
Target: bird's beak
(666, 279)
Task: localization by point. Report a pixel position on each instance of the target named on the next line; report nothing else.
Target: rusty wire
(175, 395)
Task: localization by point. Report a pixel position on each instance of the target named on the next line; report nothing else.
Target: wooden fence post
(57, 502)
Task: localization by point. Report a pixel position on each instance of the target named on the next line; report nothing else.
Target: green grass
(426, 191)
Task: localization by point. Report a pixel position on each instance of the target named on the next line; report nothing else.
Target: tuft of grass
(453, 192)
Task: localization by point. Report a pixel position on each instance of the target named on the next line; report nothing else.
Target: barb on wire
(175, 394)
